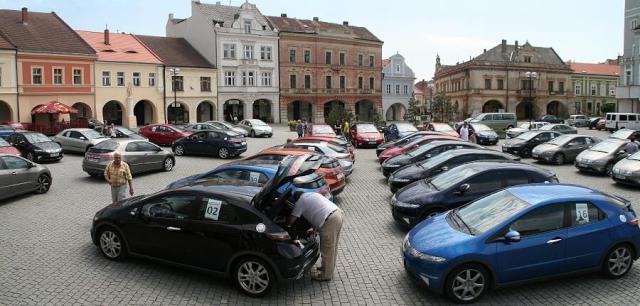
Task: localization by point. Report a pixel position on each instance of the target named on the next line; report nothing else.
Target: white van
(616, 121)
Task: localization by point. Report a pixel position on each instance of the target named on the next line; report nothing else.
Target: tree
(608, 108)
(413, 112)
(338, 114)
(375, 117)
(442, 109)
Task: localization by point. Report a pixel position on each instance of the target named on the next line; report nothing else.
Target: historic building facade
(397, 87)
(240, 42)
(325, 65)
(423, 93)
(594, 86)
(501, 79)
(8, 82)
(628, 93)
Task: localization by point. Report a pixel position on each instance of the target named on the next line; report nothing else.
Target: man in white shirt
(464, 131)
(325, 217)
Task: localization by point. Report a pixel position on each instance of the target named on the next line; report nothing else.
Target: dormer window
(247, 26)
(527, 59)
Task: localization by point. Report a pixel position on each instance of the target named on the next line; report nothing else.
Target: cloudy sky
(579, 30)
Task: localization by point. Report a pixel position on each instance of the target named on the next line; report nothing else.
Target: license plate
(94, 160)
(244, 143)
(54, 154)
(372, 142)
(620, 177)
(534, 154)
(340, 176)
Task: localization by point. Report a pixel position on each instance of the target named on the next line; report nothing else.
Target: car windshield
(177, 128)
(450, 178)
(408, 139)
(337, 148)
(442, 128)
(560, 141)
(432, 162)
(257, 123)
(635, 156)
(36, 137)
(606, 146)
(622, 134)
(480, 127)
(485, 213)
(366, 128)
(107, 146)
(4, 143)
(405, 127)
(527, 135)
(421, 149)
(322, 129)
(91, 134)
(125, 131)
(525, 126)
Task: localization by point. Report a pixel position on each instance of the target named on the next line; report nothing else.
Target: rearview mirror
(512, 236)
(464, 187)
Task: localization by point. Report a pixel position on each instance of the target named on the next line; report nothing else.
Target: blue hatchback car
(522, 233)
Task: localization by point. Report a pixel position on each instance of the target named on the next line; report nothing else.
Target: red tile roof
(5, 44)
(595, 69)
(121, 48)
(174, 51)
(286, 24)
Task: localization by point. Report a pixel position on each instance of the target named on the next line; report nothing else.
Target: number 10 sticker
(213, 210)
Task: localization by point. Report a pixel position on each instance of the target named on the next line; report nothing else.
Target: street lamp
(531, 76)
(174, 73)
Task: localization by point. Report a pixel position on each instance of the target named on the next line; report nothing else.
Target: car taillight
(232, 139)
(281, 236)
(634, 221)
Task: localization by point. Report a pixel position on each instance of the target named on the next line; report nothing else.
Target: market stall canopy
(54, 107)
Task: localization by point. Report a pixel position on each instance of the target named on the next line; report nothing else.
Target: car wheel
(253, 134)
(253, 277)
(168, 164)
(43, 183)
(558, 159)
(223, 153)
(618, 261)
(111, 244)
(608, 169)
(509, 127)
(526, 153)
(179, 150)
(467, 283)
(30, 156)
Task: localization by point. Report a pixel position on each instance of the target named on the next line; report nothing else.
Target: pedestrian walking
(118, 175)
(112, 130)
(464, 131)
(325, 217)
(631, 146)
(299, 128)
(346, 128)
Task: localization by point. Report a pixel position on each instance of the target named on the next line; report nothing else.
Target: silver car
(19, 176)
(525, 127)
(563, 149)
(602, 156)
(330, 150)
(256, 127)
(560, 128)
(142, 156)
(78, 140)
(578, 120)
(228, 127)
(627, 171)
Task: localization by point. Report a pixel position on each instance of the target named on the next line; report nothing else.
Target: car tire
(179, 150)
(253, 277)
(526, 153)
(253, 134)
(111, 244)
(558, 159)
(618, 261)
(608, 169)
(168, 164)
(510, 127)
(223, 153)
(458, 290)
(30, 156)
(43, 183)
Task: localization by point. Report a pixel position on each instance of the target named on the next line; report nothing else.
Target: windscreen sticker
(582, 213)
(254, 177)
(213, 210)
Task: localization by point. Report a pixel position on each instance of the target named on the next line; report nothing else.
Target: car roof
(252, 164)
(78, 129)
(224, 186)
(542, 193)
(459, 152)
(454, 142)
(285, 151)
(482, 165)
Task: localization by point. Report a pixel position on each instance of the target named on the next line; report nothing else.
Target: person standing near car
(464, 131)
(325, 217)
(631, 146)
(118, 175)
(299, 128)
(346, 129)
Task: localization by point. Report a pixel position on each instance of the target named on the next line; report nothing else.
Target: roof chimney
(316, 19)
(25, 15)
(283, 15)
(516, 45)
(484, 51)
(504, 46)
(170, 16)
(106, 36)
(345, 23)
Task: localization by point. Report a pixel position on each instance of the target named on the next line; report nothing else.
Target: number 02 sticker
(213, 210)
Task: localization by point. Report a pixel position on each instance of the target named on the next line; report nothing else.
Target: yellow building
(8, 87)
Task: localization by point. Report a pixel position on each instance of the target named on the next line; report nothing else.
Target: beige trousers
(329, 234)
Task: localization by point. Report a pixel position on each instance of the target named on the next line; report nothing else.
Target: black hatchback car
(225, 227)
(424, 152)
(463, 184)
(441, 163)
(224, 144)
(35, 146)
(523, 144)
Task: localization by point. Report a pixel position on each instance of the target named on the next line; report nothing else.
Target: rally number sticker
(582, 213)
(213, 210)
(254, 177)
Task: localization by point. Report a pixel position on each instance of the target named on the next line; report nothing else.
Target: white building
(244, 47)
(628, 93)
(397, 87)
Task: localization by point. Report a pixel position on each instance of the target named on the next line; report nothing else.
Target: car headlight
(400, 180)
(406, 205)
(406, 246)
(38, 150)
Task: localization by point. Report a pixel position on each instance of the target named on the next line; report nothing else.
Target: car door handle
(554, 240)
(171, 228)
(14, 173)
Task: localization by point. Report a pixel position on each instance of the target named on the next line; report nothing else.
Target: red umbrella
(53, 107)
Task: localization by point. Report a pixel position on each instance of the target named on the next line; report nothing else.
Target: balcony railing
(366, 91)
(526, 92)
(557, 92)
(249, 61)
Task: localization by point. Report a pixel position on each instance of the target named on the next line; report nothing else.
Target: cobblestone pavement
(46, 254)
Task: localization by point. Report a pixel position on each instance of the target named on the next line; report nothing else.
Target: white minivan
(616, 121)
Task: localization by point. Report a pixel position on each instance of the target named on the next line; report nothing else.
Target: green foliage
(292, 124)
(442, 109)
(413, 112)
(375, 116)
(337, 114)
(608, 108)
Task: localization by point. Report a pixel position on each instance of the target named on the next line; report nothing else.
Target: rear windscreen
(104, 147)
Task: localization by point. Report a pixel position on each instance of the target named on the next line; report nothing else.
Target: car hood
(402, 159)
(410, 172)
(10, 150)
(184, 181)
(416, 192)
(593, 155)
(487, 133)
(518, 130)
(393, 151)
(49, 145)
(138, 137)
(514, 142)
(387, 145)
(434, 236)
(546, 147)
(628, 165)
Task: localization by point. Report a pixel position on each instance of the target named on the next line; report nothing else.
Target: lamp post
(174, 73)
(531, 76)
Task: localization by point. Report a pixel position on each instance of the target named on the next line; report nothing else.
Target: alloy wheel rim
(559, 159)
(468, 284)
(168, 164)
(43, 184)
(179, 150)
(110, 244)
(223, 153)
(619, 261)
(609, 169)
(253, 277)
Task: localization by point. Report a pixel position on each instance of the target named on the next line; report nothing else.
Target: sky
(579, 30)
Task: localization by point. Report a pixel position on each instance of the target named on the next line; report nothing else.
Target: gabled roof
(219, 13)
(121, 48)
(5, 44)
(540, 55)
(174, 51)
(286, 24)
(43, 32)
(595, 69)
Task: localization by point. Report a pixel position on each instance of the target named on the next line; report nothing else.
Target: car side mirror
(83, 138)
(512, 236)
(462, 189)
(445, 168)
(428, 156)
(30, 165)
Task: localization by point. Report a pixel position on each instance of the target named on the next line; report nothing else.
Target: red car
(601, 125)
(163, 134)
(7, 148)
(322, 130)
(332, 140)
(14, 125)
(365, 134)
(393, 151)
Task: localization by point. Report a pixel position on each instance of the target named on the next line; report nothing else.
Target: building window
(561, 87)
(372, 85)
(603, 89)
(178, 83)
(106, 78)
(136, 79)
(388, 88)
(372, 60)
(398, 68)
(205, 83)
(612, 89)
(292, 56)
(487, 83)
(527, 84)
(527, 59)
(229, 51)
(307, 56)
(634, 24)
(152, 79)
(120, 78)
(327, 58)
(550, 86)
(397, 89)
(77, 76)
(360, 82)
(292, 81)
(578, 90)
(0, 76)
(36, 75)
(248, 52)
(230, 78)
(248, 78)
(265, 53)
(342, 58)
(247, 26)
(406, 89)
(500, 84)
(328, 81)
(360, 60)
(627, 79)
(593, 89)
(343, 82)
(307, 81)
(266, 79)
(57, 75)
